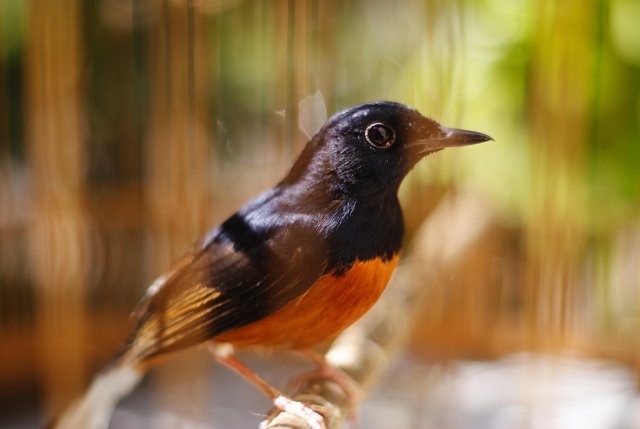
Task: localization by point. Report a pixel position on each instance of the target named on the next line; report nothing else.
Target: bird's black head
(368, 149)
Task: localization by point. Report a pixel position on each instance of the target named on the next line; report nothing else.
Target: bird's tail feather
(95, 408)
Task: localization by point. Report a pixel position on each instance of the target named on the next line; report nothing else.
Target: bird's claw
(349, 386)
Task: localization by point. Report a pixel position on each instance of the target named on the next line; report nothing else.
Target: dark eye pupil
(380, 135)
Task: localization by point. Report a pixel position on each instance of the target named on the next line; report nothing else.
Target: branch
(363, 350)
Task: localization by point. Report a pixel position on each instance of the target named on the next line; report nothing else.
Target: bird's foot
(299, 409)
(352, 390)
(349, 386)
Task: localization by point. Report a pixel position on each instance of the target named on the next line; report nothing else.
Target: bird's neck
(365, 230)
(363, 223)
(354, 227)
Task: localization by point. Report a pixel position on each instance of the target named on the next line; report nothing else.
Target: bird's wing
(237, 276)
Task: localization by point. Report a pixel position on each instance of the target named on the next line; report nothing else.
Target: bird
(293, 267)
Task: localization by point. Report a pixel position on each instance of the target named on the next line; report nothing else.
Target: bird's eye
(380, 135)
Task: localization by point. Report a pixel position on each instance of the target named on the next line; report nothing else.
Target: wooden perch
(363, 350)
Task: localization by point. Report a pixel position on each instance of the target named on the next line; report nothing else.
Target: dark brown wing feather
(239, 275)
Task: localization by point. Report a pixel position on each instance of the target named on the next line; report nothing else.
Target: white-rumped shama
(300, 262)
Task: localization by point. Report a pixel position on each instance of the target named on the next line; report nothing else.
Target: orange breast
(328, 307)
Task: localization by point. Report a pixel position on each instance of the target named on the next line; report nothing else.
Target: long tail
(95, 408)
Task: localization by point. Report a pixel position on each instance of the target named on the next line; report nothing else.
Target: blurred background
(130, 127)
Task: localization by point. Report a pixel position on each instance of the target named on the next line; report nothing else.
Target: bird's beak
(455, 137)
(446, 137)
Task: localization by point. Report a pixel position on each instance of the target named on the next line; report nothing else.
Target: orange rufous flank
(328, 307)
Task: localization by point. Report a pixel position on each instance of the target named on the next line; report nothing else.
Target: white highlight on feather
(155, 286)
(95, 408)
(312, 114)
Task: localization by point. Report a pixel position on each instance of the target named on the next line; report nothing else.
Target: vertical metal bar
(56, 160)
(290, 109)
